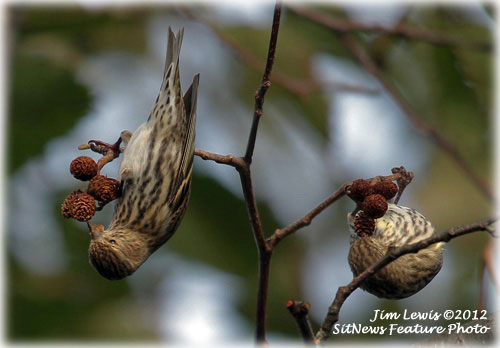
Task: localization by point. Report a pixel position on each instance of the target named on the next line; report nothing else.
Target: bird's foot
(108, 151)
(105, 148)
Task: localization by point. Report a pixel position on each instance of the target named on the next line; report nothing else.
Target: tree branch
(242, 165)
(344, 291)
(264, 85)
(246, 181)
(412, 33)
(300, 312)
(284, 232)
(229, 160)
(280, 234)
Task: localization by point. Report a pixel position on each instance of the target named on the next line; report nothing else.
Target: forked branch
(242, 165)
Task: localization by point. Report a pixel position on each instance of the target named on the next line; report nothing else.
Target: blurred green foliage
(33, 101)
(47, 45)
(300, 40)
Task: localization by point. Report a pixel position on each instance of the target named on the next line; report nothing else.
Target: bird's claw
(103, 148)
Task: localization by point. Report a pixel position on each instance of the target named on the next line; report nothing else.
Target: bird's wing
(181, 117)
(185, 169)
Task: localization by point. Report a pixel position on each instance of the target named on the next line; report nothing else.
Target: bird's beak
(95, 231)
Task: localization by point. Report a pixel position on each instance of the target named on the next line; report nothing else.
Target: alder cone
(388, 189)
(83, 168)
(83, 207)
(67, 205)
(104, 189)
(364, 225)
(360, 189)
(375, 206)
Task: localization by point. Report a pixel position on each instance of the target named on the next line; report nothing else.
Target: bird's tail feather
(172, 60)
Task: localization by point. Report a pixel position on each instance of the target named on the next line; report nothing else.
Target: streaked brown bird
(406, 275)
(155, 173)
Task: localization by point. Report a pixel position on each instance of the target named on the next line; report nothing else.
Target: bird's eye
(112, 241)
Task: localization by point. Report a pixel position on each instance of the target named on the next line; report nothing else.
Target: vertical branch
(265, 253)
(262, 293)
(265, 83)
(242, 165)
(243, 168)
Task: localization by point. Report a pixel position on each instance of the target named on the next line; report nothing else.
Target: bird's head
(116, 253)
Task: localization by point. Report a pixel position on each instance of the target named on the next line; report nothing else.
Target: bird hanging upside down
(155, 175)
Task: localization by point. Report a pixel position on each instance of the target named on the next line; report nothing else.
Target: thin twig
(229, 160)
(401, 30)
(344, 291)
(300, 312)
(265, 83)
(282, 233)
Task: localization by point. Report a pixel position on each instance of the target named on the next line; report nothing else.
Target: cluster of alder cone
(372, 202)
(101, 189)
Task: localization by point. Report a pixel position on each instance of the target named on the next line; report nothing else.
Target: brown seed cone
(83, 207)
(375, 206)
(388, 189)
(83, 168)
(67, 205)
(359, 189)
(104, 189)
(364, 225)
